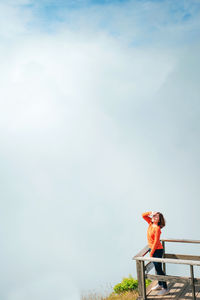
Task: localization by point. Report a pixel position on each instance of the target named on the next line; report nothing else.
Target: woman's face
(155, 218)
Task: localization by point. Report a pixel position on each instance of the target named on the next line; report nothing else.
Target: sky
(99, 122)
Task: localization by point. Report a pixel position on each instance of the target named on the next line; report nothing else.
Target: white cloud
(46, 286)
(13, 21)
(90, 132)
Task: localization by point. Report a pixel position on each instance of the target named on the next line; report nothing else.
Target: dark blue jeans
(158, 266)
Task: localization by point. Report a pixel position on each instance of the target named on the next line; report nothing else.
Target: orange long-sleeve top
(153, 234)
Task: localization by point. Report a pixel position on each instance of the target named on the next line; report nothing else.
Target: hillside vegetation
(125, 290)
(124, 296)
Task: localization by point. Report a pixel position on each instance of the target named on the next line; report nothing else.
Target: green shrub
(128, 284)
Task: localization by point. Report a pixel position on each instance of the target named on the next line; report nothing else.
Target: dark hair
(161, 222)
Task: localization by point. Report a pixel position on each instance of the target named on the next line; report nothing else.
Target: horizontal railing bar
(182, 256)
(168, 278)
(143, 252)
(172, 278)
(181, 241)
(168, 260)
(149, 266)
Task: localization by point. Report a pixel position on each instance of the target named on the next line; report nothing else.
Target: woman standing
(156, 221)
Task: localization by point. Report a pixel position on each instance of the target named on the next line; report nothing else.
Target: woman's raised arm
(146, 216)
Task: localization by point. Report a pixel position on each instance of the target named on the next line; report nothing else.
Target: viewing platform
(179, 287)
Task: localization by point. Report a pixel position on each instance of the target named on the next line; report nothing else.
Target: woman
(156, 221)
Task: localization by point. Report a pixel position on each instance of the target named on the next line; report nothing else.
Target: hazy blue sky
(99, 121)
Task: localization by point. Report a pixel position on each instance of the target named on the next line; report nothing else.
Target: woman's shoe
(156, 287)
(163, 292)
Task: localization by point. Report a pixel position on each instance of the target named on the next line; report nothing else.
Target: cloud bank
(99, 121)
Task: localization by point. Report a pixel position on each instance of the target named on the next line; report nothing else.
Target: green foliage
(128, 284)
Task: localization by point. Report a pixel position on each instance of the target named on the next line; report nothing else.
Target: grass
(124, 296)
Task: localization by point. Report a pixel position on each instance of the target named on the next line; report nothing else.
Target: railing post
(192, 282)
(164, 265)
(139, 275)
(143, 280)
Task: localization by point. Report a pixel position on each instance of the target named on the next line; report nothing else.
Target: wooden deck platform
(181, 291)
(179, 287)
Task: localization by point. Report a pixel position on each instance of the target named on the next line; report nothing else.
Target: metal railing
(143, 269)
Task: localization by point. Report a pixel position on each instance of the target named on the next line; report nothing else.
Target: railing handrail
(168, 260)
(181, 241)
(143, 252)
